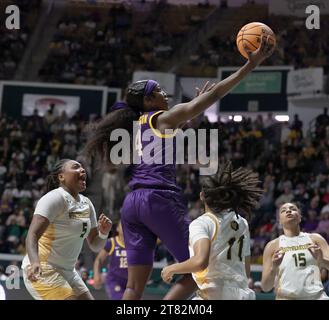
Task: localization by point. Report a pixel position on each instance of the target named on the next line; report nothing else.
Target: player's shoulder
(244, 221)
(54, 194)
(207, 219)
(315, 237)
(84, 198)
(209, 216)
(273, 244)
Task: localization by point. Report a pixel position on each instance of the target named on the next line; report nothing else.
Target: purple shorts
(115, 288)
(148, 214)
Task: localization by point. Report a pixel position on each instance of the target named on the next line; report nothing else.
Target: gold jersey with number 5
(70, 223)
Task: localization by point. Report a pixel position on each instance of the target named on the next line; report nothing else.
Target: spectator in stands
(286, 196)
(323, 226)
(297, 126)
(321, 122)
(311, 221)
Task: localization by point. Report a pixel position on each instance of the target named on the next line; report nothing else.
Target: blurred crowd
(13, 43)
(105, 46)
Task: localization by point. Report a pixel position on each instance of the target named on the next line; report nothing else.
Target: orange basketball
(250, 36)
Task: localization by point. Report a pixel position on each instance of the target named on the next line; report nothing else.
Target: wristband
(103, 236)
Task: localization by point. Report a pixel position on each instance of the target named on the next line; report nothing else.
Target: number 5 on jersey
(84, 229)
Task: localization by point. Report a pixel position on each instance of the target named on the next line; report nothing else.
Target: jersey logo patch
(234, 225)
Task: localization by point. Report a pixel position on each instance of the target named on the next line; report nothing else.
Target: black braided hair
(230, 189)
(135, 95)
(98, 142)
(52, 179)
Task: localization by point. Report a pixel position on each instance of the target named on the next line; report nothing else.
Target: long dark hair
(98, 142)
(230, 189)
(52, 181)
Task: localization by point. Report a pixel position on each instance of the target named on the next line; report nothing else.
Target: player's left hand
(316, 252)
(167, 274)
(205, 88)
(104, 224)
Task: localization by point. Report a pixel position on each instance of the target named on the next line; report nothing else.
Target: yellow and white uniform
(60, 245)
(225, 278)
(299, 274)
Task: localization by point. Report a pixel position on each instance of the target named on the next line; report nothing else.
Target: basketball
(250, 36)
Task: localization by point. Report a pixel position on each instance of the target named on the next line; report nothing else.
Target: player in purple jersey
(155, 206)
(117, 272)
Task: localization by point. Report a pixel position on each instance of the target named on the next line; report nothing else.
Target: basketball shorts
(55, 283)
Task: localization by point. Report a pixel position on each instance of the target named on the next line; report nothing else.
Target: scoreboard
(263, 90)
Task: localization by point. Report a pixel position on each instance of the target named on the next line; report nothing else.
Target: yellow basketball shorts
(55, 283)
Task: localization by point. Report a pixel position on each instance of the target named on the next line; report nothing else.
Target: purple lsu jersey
(156, 168)
(117, 267)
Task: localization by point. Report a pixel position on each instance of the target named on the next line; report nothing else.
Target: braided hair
(52, 180)
(232, 189)
(99, 142)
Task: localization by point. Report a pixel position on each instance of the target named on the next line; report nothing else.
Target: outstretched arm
(183, 112)
(98, 262)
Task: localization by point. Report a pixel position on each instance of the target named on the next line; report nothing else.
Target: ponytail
(98, 143)
(52, 180)
(232, 189)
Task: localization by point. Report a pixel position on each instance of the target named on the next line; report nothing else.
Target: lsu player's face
(159, 99)
(289, 213)
(73, 176)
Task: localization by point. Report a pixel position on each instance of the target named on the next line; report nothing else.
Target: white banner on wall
(296, 7)
(305, 81)
(166, 80)
(42, 103)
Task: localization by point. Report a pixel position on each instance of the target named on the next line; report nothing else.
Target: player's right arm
(183, 112)
(202, 231)
(38, 226)
(97, 264)
(272, 259)
(48, 207)
(196, 263)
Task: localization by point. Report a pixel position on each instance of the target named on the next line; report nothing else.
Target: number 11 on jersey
(240, 244)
